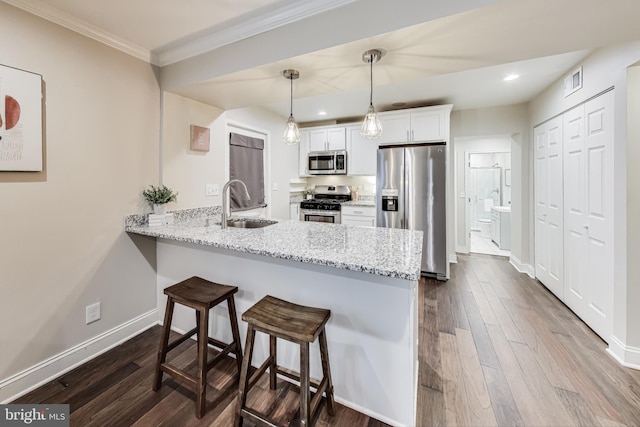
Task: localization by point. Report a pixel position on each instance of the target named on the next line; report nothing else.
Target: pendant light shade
(291, 133)
(371, 127)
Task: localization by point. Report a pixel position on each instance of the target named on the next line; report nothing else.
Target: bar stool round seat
(298, 324)
(201, 295)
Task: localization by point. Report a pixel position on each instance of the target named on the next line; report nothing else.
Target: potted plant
(158, 197)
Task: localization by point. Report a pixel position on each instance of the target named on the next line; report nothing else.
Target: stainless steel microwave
(327, 162)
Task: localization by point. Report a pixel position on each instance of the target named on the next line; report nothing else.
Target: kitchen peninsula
(368, 278)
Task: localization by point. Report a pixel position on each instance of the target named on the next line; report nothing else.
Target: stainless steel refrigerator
(411, 186)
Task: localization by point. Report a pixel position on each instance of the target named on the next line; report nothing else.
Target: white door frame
(461, 186)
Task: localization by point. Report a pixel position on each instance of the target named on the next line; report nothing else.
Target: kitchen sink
(249, 223)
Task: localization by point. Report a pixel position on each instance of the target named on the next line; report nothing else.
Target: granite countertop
(381, 251)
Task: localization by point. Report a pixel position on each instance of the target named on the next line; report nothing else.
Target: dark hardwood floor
(496, 348)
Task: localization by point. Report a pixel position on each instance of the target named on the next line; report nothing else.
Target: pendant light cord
(291, 98)
(371, 81)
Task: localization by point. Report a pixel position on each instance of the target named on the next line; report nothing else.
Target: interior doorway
(487, 187)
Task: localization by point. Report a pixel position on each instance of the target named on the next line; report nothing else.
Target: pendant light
(291, 133)
(371, 127)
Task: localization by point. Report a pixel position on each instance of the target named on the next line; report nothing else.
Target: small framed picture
(199, 138)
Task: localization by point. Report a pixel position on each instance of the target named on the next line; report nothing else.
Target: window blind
(246, 163)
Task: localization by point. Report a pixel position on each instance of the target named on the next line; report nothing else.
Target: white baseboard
(625, 355)
(31, 378)
(462, 250)
(521, 267)
(453, 258)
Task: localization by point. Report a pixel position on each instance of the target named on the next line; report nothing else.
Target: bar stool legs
(201, 295)
(326, 370)
(300, 325)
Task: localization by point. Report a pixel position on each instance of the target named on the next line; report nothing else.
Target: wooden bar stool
(201, 295)
(300, 325)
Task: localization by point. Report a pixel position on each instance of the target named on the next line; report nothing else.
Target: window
(246, 163)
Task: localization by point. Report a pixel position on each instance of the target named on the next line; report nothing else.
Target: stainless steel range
(325, 205)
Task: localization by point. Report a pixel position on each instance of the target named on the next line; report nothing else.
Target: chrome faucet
(224, 200)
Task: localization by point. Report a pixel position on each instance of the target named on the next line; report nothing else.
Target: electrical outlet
(93, 312)
(212, 190)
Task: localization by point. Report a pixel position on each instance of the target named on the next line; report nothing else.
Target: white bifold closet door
(588, 212)
(548, 205)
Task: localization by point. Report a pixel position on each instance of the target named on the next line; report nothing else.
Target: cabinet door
(336, 139)
(495, 228)
(361, 221)
(361, 155)
(428, 126)
(318, 140)
(294, 211)
(304, 150)
(395, 128)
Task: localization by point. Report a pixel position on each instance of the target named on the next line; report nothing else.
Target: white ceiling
(458, 58)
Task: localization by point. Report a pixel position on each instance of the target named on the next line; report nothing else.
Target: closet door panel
(541, 200)
(599, 140)
(549, 215)
(575, 234)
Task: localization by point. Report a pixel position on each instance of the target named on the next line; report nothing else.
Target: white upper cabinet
(429, 125)
(416, 125)
(425, 124)
(324, 139)
(395, 127)
(361, 153)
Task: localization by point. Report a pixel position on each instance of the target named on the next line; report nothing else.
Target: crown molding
(214, 38)
(54, 15)
(190, 46)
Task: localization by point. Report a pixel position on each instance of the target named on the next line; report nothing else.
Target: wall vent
(573, 82)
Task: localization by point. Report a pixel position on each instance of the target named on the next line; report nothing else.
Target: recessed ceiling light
(322, 113)
(511, 77)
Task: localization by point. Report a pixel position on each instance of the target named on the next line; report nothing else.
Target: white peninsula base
(372, 333)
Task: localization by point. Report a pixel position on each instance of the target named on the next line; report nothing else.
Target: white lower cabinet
(364, 216)
(501, 228)
(294, 211)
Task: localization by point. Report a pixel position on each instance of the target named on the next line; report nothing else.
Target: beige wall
(62, 241)
(631, 336)
(188, 171)
(184, 170)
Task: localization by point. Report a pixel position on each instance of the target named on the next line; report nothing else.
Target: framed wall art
(20, 120)
(200, 138)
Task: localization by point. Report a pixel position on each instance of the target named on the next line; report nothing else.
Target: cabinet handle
(357, 212)
(412, 136)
